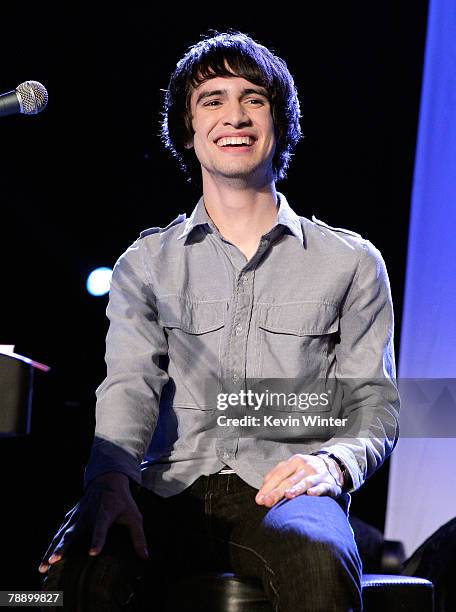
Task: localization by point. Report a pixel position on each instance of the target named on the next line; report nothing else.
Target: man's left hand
(299, 474)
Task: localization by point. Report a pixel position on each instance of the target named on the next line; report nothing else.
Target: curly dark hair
(245, 58)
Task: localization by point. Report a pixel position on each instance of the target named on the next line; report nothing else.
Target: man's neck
(242, 215)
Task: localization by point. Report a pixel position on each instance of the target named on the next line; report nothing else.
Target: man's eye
(255, 101)
(212, 103)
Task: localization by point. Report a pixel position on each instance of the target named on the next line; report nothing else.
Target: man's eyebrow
(207, 94)
(261, 91)
(220, 92)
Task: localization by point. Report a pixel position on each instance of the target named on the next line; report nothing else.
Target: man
(243, 290)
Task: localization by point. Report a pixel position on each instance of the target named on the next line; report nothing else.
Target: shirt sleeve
(136, 350)
(365, 366)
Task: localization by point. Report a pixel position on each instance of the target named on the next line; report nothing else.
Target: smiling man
(244, 289)
(234, 141)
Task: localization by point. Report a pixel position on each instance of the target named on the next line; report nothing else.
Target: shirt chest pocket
(296, 340)
(194, 331)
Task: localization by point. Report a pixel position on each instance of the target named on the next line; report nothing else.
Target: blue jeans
(302, 549)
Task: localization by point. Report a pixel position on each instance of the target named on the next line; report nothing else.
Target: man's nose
(236, 115)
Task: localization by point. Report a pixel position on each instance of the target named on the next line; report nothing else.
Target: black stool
(229, 592)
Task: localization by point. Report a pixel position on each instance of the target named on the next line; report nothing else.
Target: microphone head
(33, 97)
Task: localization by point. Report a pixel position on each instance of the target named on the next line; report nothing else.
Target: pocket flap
(301, 318)
(191, 316)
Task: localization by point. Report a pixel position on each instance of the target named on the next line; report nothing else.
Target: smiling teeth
(234, 140)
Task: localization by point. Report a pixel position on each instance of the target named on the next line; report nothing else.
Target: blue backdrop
(422, 495)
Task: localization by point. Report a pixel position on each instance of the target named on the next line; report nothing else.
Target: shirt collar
(199, 216)
(285, 216)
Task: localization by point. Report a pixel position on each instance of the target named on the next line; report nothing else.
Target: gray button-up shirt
(187, 312)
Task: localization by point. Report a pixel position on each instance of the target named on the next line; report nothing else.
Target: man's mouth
(235, 141)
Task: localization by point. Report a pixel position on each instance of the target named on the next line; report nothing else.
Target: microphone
(29, 98)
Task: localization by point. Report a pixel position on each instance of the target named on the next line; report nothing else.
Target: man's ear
(189, 144)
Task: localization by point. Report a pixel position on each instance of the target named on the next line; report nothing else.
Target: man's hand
(299, 474)
(107, 500)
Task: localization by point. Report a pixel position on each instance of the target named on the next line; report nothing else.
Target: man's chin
(237, 172)
(249, 174)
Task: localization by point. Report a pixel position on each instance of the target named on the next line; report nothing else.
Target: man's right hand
(107, 500)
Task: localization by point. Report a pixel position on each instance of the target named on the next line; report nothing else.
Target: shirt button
(238, 329)
(235, 378)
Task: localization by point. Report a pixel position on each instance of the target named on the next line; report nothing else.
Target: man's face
(227, 108)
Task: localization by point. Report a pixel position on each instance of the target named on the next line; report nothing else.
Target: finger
(295, 483)
(303, 485)
(273, 490)
(296, 478)
(100, 531)
(62, 547)
(138, 538)
(270, 499)
(44, 564)
(281, 473)
(58, 551)
(50, 553)
(58, 536)
(323, 488)
(55, 557)
(268, 475)
(72, 511)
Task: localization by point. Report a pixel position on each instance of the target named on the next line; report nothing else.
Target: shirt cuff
(348, 459)
(106, 456)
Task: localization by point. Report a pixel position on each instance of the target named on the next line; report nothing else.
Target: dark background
(80, 181)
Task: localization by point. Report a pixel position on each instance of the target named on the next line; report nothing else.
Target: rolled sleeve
(136, 349)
